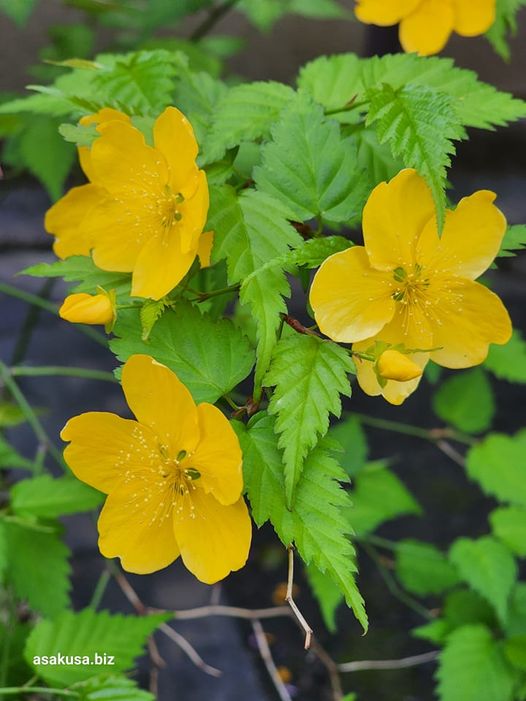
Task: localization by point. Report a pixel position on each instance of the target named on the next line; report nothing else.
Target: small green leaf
(45, 497)
(465, 606)
(435, 632)
(151, 312)
(327, 593)
(83, 270)
(350, 435)
(508, 362)
(509, 525)
(18, 10)
(112, 688)
(466, 401)
(10, 458)
(515, 651)
(514, 240)
(504, 25)
(423, 569)
(78, 134)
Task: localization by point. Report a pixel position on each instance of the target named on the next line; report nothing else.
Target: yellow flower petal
(218, 456)
(106, 114)
(160, 401)
(63, 220)
(204, 250)
(136, 526)
(194, 212)
(351, 301)
(214, 539)
(87, 309)
(104, 448)
(394, 218)
(468, 318)
(474, 17)
(393, 365)
(174, 137)
(470, 241)
(427, 30)
(384, 12)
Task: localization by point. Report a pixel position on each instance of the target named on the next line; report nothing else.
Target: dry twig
(266, 656)
(290, 601)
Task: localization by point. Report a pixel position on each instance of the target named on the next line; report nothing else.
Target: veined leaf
(497, 464)
(83, 270)
(308, 374)
(114, 688)
(317, 525)
(466, 401)
(508, 362)
(45, 497)
(333, 81)
(423, 569)
(327, 593)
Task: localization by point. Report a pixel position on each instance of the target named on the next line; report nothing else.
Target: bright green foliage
(45, 497)
(505, 24)
(516, 624)
(18, 10)
(465, 606)
(10, 415)
(151, 312)
(497, 464)
(313, 252)
(310, 168)
(113, 688)
(488, 567)
(351, 436)
(265, 14)
(514, 240)
(78, 134)
(86, 633)
(81, 269)
(333, 81)
(181, 341)
(327, 593)
(515, 651)
(473, 668)
(509, 525)
(10, 458)
(38, 568)
(197, 97)
(420, 125)
(378, 496)
(508, 362)
(376, 159)
(308, 375)
(423, 569)
(245, 113)
(466, 401)
(317, 525)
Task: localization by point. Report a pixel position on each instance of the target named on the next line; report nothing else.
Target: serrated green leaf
(508, 362)
(38, 568)
(79, 134)
(45, 497)
(509, 525)
(317, 525)
(197, 95)
(181, 341)
(83, 270)
(10, 458)
(466, 401)
(18, 10)
(51, 105)
(333, 81)
(327, 593)
(112, 688)
(307, 390)
(514, 240)
(423, 569)
(313, 252)
(472, 667)
(488, 567)
(151, 312)
(84, 634)
(376, 159)
(245, 113)
(504, 25)
(310, 168)
(378, 496)
(350, 435)
(420, 125)
(497, 464)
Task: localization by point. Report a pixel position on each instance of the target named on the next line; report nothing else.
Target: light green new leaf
(466, 401)
(317, 525)
(327, 593)
(514, 240)
(86, 633)
(472, 667)
(18, 10)
(310, 168)
(114, 688)
(10, 458)
(83, 270)
(497, 464)
(509, 525)
(197, 96)
(378, 496)
(508, 362)
(45, 497)
(420, 125)
(181, 340)
(79, 134)
(488, 567)
(423, 569)
(265, 14)
(308, 374)
(38, 568)
(333, 81)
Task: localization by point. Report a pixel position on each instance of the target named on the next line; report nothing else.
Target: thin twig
(290, 601)
(266, 656)
(214, 16)
(332, 670)
(429, 434)
(297, 325)
(448, 450)
(30, 322)
(404, 663)
(232, 612)
(63, 371)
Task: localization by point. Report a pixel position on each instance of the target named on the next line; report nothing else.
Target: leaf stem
(434, 435)
(214, 16)
(63, 371)
(15, 690)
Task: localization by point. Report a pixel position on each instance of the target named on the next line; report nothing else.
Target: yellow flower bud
(393, 365)
(82, 308)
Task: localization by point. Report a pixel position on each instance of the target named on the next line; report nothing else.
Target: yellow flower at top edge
(173, 477)
(410, 288)
(426, 25)
(145, 207)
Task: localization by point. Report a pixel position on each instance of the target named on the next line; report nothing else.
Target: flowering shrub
(211, 210)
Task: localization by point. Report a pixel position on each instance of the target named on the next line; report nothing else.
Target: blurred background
(489, 160)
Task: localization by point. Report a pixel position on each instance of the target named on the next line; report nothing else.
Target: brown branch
(451, 452)
(290, 601)
(232, 612)
(332, 670)
(214, 16)
(297, 325)
(190, 651)
(266, 656)
(404, 663)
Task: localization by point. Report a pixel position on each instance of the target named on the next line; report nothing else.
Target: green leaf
(497, 464)
(350, 435)
(313, 252)
(10, 458)
(197, 95)
(423, 569)
(473, 668)
(515, 651)
(112, 688)
(378, 496)
(466, 401)
(78, 134)
(327, 593)
(310, 168)
(181, 341)
(85, 634)
(10, 415)
(306, 391)
(317, 524)
(18, 10)
(508, 362)
(420, 125)
(38, 567)
(83, 270)
(516, 624)
(265, 14)
(488, 567)
(245, 113)
(514, 240)
(376, 159)
(45, 497)
(505, 24)
(465, 606)
(509, 525)
(333, 81)
(151, 312)
(435, 632)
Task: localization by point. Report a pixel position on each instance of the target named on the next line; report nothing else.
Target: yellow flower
(393, 365)
(83, 308)
(409, 287)
(147, 205)
(173, 477)
(426, 25)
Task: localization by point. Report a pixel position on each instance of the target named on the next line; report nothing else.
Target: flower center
(169, 207)
(411, 285)
(180, 479)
